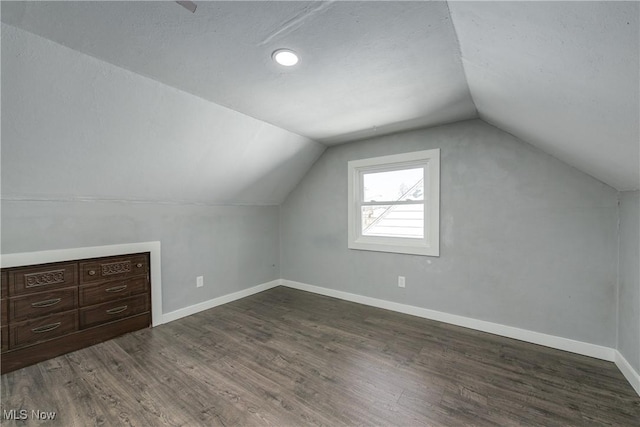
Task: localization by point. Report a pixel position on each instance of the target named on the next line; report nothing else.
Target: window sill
(398, 249)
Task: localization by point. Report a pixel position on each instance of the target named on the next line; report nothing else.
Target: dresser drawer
(42, 278)
(43, 328)
(4, 302)
(4, 284)
(110, 291)
(113, 268)
(43, 303)
(4, 312)
(4, 337)
(114, 310)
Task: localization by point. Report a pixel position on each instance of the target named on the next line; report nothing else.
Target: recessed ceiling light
(285, 57)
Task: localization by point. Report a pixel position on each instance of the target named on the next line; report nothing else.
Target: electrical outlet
(401, 283)
(199, 281)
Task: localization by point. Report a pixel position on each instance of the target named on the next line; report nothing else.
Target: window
(394, 203)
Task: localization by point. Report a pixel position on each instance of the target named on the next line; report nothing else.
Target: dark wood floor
(290, 358)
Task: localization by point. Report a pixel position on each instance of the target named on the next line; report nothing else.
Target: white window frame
(429, 245)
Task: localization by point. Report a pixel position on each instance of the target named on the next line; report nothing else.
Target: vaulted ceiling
(563, 76)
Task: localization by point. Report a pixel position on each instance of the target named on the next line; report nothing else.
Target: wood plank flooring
(290, 358)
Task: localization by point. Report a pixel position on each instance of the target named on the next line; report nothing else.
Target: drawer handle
(116, 288)
(47, 303)
(46, 328)
(92, 272)
(117, 309)
(139, 265)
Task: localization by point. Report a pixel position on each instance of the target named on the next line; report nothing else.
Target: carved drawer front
(42, 278)
(113, 268)
(4, 287)
(114, 310)
(43, 328)
(110, 291)
(4, 337)
(43, 303)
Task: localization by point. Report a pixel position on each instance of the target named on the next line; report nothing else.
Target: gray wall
(83, 141)
(629, 279)
(526, 240)
(234, 247)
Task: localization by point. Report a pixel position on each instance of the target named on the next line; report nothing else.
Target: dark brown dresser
(51, 309)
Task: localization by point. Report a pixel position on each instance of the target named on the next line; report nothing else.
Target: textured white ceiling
(364, 65)
(560, 75)
(563, 76)
(75, 127)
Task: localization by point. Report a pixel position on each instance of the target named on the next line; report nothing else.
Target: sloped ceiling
(563, 76)
(77, 128)
(560, 75)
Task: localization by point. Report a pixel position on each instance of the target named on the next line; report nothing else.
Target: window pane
(405, 184)
(393, 221)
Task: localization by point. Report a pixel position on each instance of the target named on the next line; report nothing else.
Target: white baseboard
(566, 344)
(196, 308)
(627, 370)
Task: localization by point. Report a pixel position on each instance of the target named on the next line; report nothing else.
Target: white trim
(206, 305)
(566, 344)
(627, 370)
(429, 245)
(58, 255)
